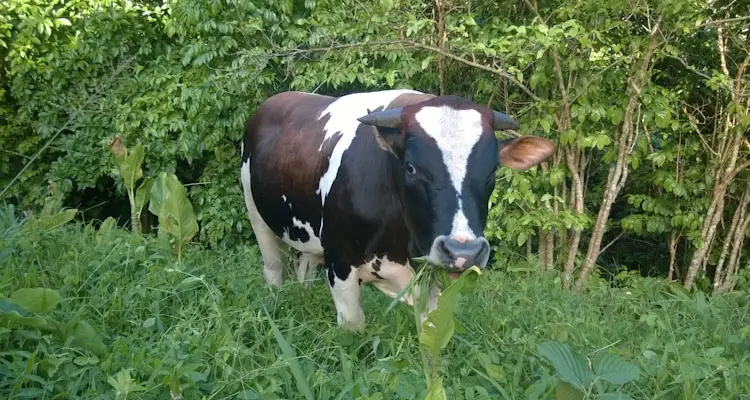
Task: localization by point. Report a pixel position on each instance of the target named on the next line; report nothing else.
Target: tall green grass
(209, 328)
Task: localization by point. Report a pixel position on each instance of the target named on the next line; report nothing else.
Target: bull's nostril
(443, 247)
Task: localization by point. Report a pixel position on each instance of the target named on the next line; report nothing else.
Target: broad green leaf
(12, 314)
(569, 366)
(556, 176)
(107, 226)
(130, 168)
(635, 161)
(85, 337)
(663, 118)
(616, 115)
(188, 282)
(613, 396)
(564, 391)
(386, 4)
(123, 383)
(170, 203)
(568, 137)
(521, 238)
(436, 391)
(390, 78)
(48, 222)
(158, 194)
(614, 369)
(143, 192)
(36, 300)
(602, 141)
(545, 125)
(438, 328)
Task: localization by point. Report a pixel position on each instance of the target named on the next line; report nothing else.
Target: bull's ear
(388, 129)
(525, 151)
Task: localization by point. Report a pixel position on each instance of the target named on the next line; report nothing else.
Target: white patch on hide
(268, 242)
(349, 313)
(312, 245)
(395, 277)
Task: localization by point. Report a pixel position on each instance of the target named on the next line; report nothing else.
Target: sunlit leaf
(36, 300)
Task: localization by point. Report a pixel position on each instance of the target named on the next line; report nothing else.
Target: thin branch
(611, 243)
(408, 44)
(591, 81)
(688, 66)
(693, 123)
(721, 21)
(16, 153)
(740, 72)
(38, 153)
(97, 94)
(495, 71)
(722, 49)
(737, 170)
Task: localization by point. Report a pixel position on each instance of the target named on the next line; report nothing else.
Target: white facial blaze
(455, 132)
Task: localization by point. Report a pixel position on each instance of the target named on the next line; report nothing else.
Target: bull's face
(448, 156)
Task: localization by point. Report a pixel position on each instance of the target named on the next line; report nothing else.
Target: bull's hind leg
(306, 268)
(268, 242)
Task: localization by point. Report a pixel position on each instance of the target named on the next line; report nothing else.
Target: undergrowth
(210, 328)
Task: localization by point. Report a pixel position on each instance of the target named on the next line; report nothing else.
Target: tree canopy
(648, 103)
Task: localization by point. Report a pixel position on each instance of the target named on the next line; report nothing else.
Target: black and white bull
(364, 182)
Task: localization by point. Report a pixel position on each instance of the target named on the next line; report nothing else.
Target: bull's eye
(410, 170)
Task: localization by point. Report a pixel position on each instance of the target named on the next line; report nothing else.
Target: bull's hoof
(307, 283)
(352, 325)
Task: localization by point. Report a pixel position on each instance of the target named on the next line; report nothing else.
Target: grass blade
(291, 357)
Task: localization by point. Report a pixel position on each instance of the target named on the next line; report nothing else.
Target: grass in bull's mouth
(90, 314)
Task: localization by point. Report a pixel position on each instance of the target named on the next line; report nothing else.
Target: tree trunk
(710, 223)
(737, 220)
(618, 173)
(576, 202)
(542, 250)
(729, 144)
(529, 249)
(673, 241)
(550, 249)
(441, 35)
(735, 237)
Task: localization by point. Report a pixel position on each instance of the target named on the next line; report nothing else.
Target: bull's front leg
(344, 284)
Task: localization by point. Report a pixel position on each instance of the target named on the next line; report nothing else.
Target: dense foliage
(647, 102)
(120, 318)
